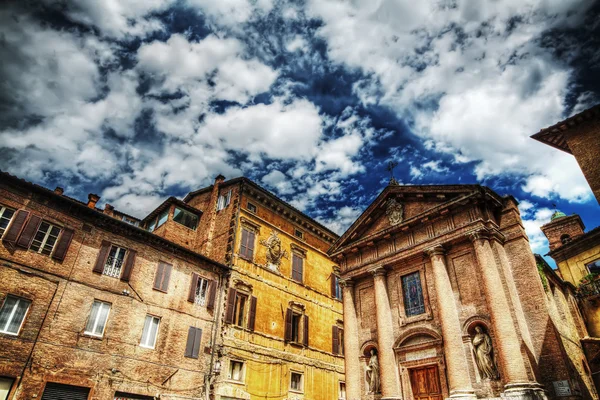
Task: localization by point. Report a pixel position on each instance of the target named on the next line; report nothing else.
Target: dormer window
(185, 218)
(224, 200)
(158, 221)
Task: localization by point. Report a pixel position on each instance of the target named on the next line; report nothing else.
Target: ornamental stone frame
(397, 276)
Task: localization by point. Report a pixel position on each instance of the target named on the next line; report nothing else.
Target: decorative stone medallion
(274, 251)
(394, 212)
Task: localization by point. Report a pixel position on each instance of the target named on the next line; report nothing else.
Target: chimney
(219, 179)
(108, 209)
(59, 191)
(92, 200)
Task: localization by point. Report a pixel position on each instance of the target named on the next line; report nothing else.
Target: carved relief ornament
(274, 251)
(394, 211)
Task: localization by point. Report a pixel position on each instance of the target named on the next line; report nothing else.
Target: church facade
(442, 298)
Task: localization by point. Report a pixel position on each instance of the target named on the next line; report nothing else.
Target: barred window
(201, 291)
(114, 261)
(413, 294)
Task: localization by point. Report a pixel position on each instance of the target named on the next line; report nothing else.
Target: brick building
(442, 297)
(282, 314)
(93, 307)
(577, 255)
(578, 135)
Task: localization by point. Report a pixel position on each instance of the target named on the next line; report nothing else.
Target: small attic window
(565, 238)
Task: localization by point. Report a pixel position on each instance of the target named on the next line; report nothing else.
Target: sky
(143, 99)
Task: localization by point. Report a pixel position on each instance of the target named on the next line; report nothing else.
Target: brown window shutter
(252, 316)
(288, 325)
(250, 245)
(193, 286)
(166, 277)
(197, 340)
(158, 277)
(63, 244)
(212, 294)
(29, 231)
(128, 265)
(13, 231)
(332, 278)
(335, 340)
(297, 268)
(305, 338)
(244, 244)
(101, 260)
(192, 346)
(230, 305)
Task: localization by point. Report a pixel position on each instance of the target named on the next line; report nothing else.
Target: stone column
(351, 347)
(508, 342)
(456, 360)
(390, 385)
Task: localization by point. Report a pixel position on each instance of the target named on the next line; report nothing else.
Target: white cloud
(533, 219)
(277, 180)
(342, 219)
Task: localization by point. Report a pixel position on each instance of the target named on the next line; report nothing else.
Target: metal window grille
(114, 262)
(201, 291)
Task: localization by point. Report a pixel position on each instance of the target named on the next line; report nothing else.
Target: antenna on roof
(390, 168)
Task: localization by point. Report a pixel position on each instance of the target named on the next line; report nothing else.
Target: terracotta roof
(81, 210)
(555, 135)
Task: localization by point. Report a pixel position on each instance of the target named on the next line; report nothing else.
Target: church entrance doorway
(425, 383)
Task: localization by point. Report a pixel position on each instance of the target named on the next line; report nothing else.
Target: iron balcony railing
(587, 290)
(113, 267)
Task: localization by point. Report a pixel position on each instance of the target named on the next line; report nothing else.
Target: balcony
(113, 267)
(589, 290)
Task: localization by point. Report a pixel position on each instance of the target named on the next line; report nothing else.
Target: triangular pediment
(398, 205)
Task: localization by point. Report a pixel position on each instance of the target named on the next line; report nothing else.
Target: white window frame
(12, 314)
(340, 392)
(198, 297)
(224, 200)
(301, 390)
(2, 211)
(110, 268)
(102, 304)
(153, 318)
(46, 236)
(242, 371)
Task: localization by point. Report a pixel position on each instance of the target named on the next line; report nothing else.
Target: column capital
(378, 271)
(347, 282)
(437, 250)
(479, 234)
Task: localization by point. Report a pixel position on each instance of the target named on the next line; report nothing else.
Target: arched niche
(365, 349)
(470, 324)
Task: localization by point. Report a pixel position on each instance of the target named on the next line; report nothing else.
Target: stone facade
(441, 285)
(57, 344)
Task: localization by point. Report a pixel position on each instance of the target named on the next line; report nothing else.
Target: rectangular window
(594, 267)
(45, 238)
(12, 314)
(298, 233)
(224, 200)
(158, 221)
(5, 386)
(247, 245)
(251, 207)
(297, 268)
(150, 331)
(6, 215)
(114, 261)
(336, 288)
(192, 348)
(236, 369)
(201, 291)
(342, 395)
(97, 320)
(296, 382)
(413, 294)
(130, 220)
(239, 317)
(341, 340)
(185, 218)
(296, 321)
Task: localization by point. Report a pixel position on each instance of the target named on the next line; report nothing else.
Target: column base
(524, 391)
(396, 397)
(462, 395)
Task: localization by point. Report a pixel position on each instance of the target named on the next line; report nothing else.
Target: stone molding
(378, 271)
(436, 250)
(347, 282)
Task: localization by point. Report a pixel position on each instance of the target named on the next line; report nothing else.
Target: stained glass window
(413, 294)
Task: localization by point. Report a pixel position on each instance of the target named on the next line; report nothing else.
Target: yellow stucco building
(282, 335)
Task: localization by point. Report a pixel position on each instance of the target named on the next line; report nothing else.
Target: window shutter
(305, 338)
(244, 244)
(158, 277)
(193, 286)
(332, 277)
(335, 340)
(192, 346)
(230, 305)
(212, 294)
(11, 235)
(250, 245)
(29, 231)
(288, 325)
(104, 248)
(252, 316)
(166, 277)
(63, 244)
(128, 265)
(297, 268)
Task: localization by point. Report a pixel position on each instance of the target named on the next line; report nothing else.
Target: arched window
(565, 238)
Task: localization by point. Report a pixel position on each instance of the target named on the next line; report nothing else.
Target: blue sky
(144, 99)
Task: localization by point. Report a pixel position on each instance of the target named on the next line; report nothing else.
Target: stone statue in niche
(484, 354)
(274, 251)
(394, 211)
(372, 373)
